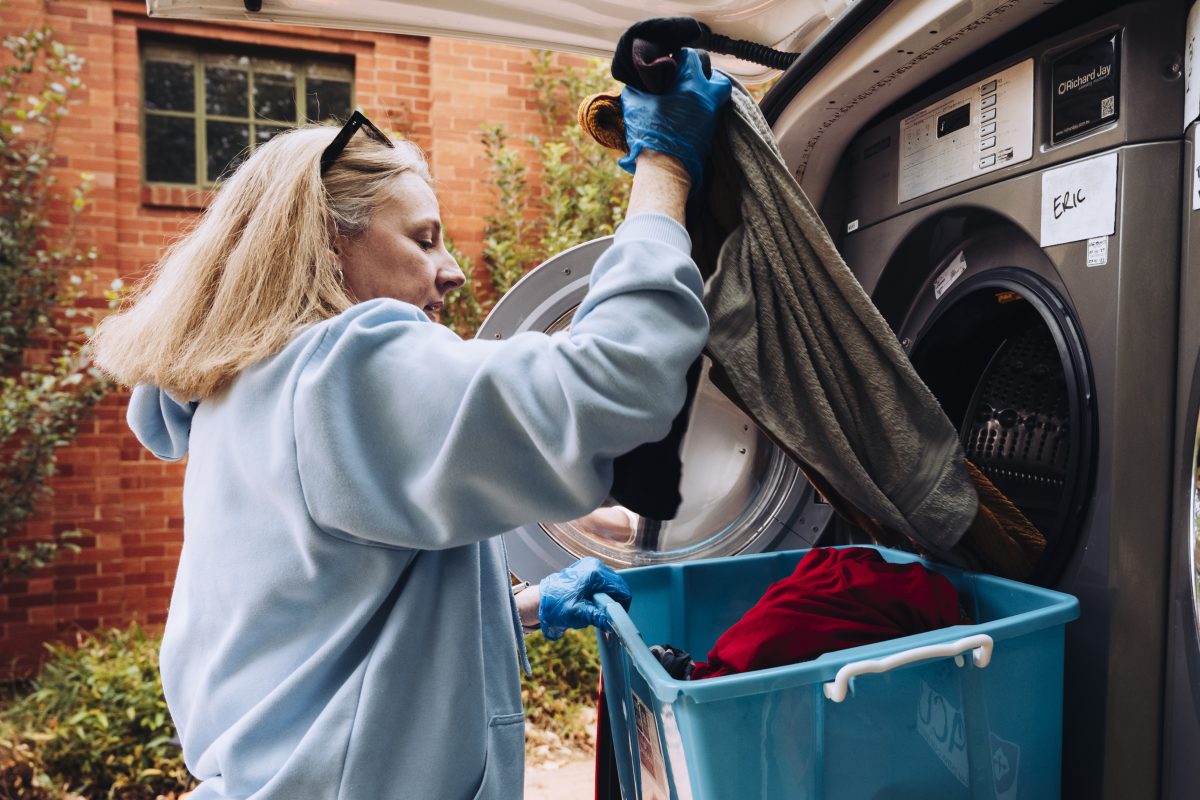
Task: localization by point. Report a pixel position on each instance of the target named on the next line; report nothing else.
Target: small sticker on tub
(1097, 251)
(650, 757)
(1006, 767)
(950, 274)
(942, 725)
(675, 754)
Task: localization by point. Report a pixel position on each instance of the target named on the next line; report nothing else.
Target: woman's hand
(566, 597)
(679, 123)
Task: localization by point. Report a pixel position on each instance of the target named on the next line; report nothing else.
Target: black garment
(646, 479)
(676, 662)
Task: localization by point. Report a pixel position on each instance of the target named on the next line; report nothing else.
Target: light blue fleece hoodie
(342, 625)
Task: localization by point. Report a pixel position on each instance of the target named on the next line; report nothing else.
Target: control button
(987, 129)
(987, 116)
(988, 101)
(988, 142)
(990, 86)
(987, 161)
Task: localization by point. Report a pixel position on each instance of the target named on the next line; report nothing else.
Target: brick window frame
(200, 56)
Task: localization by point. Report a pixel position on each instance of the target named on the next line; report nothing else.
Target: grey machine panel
(1150, 97)
(1181, 766)
(956, 262)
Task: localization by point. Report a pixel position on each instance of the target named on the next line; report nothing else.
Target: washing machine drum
(1003, 357)
(739, 491)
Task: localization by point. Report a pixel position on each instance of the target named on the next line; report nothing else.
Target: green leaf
(78, 722)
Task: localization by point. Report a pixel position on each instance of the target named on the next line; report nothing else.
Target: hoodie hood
(161, 423)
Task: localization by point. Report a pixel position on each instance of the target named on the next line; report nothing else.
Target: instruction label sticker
(1079, 201)
(650, 756)
(1196, 172)
(949, 275)
(1097, 251)
(985, 127)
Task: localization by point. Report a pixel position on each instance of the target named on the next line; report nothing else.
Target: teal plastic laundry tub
(971, 711)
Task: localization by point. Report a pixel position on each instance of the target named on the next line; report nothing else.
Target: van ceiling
(572, 25)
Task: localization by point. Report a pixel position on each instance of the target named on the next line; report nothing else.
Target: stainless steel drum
(739, 491)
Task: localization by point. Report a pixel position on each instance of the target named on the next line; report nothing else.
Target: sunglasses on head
(357, 120)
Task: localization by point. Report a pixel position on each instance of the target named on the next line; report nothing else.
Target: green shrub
(48, 385)
(566, 676)
(578, 192)
(96, 721)
(22, 774)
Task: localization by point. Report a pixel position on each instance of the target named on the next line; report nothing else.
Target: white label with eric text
(1079, 201)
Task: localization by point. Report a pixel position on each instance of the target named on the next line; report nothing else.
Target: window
(204, 111)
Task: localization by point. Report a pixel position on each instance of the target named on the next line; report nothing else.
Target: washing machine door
(740, 493)
(1003, 353)
(1181, 769)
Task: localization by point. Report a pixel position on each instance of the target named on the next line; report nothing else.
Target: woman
(342, 623)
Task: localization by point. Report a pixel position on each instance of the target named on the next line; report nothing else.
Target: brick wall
(437, 93)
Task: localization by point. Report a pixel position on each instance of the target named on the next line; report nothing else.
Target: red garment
(835, 599)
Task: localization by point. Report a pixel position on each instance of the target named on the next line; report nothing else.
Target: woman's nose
(450, 275)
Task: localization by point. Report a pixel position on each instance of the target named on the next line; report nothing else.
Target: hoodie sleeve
(409, 436)
(161, 423)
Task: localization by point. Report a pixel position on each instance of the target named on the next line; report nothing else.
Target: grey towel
(807, 355)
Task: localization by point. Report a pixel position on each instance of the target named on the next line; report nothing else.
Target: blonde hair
(258, 266)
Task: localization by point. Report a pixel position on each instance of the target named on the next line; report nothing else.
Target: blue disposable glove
(679, 123)
(567, 602)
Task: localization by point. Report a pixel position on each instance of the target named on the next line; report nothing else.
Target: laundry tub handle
(980, 646)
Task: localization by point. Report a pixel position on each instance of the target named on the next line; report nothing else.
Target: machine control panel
(981, 128)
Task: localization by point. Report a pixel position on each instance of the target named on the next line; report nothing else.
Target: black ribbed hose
(747, 51)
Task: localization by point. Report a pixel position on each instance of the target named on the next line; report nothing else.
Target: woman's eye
(426, 244)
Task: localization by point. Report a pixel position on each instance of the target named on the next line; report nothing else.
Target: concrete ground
(574, 779)
(558, 770)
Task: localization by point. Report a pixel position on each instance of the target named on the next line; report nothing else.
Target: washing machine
(1181, 768)
(740, 493)
(1019, 229)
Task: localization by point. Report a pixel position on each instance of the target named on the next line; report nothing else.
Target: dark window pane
(227, 143)
(275, 97)
(169, 86)
(226, 92)
(327, 99)
(265, 133)
(170, 149)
